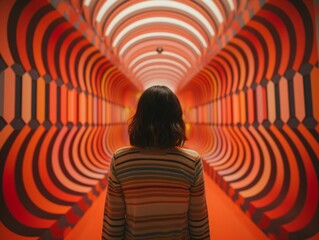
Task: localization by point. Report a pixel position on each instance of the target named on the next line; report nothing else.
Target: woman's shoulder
(124, 150)
(189, 153)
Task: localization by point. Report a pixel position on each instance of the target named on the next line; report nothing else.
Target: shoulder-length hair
(158, 120)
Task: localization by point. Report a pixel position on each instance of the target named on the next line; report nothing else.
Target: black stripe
(244, 57)
(254, 53)
(57, 50)
(125, 154)
(67, 57)
(276, 39)
(85, 67)
(153, 159)
(23, 196)
(36, 175)
(264, 47)
(72, 158)
(312, 227)
(284, 189)
(273, 171)
(45, 41)
(302, 189)
(36, 18)
(77, 60)
(251, 160)
(308, 26)
(291, 31)
(6, 217)
(12, 28)
(229, 67)
(211, 16)
(181, 155)
(18, 96)
(54, 179)
(63, 168)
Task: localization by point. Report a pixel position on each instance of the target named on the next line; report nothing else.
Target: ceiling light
(159, 50)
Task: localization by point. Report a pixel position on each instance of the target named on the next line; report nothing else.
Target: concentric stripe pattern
(246, 72)
(57, 111)
(185, 31)
(253, 113)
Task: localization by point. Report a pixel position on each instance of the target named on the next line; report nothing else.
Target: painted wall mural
(58, 108)
(253, 112)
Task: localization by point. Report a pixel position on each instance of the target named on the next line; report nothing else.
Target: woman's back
(156, 188)
(160, 194)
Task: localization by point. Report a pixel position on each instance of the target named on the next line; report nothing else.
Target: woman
(156, 187)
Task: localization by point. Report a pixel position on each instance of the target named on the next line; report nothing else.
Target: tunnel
(246, 74)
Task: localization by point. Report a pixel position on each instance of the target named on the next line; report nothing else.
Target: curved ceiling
(158, 41)
(252, 111)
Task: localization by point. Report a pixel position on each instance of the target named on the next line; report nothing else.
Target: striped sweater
(155, 194)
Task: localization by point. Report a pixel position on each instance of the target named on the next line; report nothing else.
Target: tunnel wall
(59, 107)
(253, 113)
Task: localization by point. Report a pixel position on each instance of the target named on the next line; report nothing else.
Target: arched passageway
(246, 73)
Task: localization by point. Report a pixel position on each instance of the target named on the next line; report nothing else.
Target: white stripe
(159, 34)
(159, 61)
(174, 21)
(156, 4)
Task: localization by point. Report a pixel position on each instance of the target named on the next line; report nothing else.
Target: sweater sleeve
(114, 209)
(197, 214)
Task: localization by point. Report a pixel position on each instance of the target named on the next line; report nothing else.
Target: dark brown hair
(158, 120)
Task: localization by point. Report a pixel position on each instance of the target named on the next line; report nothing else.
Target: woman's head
(158, 120)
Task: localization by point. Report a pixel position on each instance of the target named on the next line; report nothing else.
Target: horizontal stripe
(160, 160)
(156, 194)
